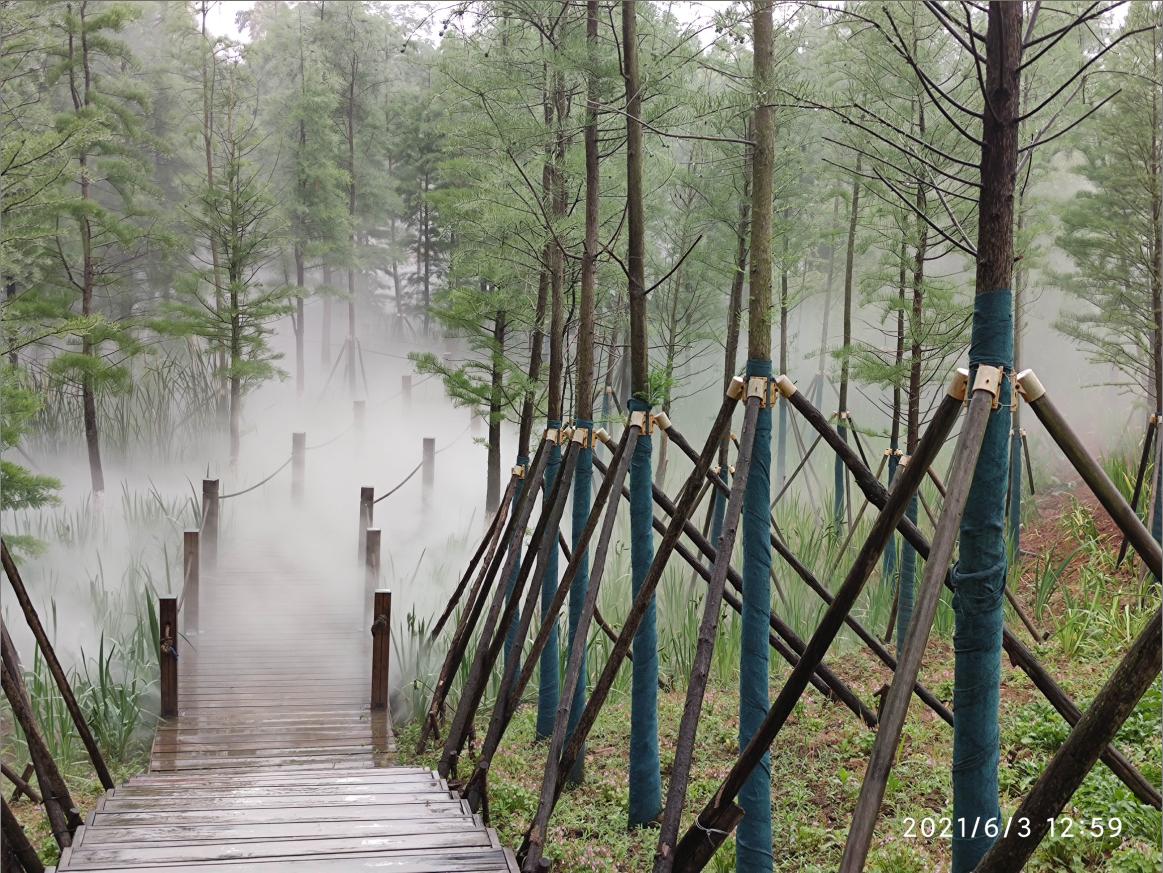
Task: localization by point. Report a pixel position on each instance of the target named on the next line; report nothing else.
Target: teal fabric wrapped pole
(889, 564)
(753, 844)
(582, 497)
(1015, 493)
(781, 448)
(907, 584)
(720, 506)
(549, 681)
(645, 768)
(979, 579)
(515, 545)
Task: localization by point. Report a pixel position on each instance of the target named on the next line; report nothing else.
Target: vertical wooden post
(210, 522)
(428, 473)
(381, 643)
(298, 464)
(190, 573)
(372, 556)
(367, 501)
(406, 389)
(168, 651)
(358, 412)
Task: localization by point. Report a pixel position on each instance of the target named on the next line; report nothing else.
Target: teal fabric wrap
(979, 588)
(889, 564)
(907, 584)
(514, 545)
(753, 844)
(1014, 508)
(840, 481)
(781, 448)
(645, 769)
(582, 491)
(549, 680)
(720, 507)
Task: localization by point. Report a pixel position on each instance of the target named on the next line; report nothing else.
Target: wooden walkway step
(275, 760)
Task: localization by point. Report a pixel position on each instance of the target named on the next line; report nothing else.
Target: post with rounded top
(381, 643)
(190, 573)
(372, 556)
(298, 464)
(168, 654)
(210, 522)
(429, 470)
(367, 500)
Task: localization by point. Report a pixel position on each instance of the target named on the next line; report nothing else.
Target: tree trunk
(298, 322)
(980, 574)
(325, 355)
(645, 767)
(496, 398)
(584, 387)
(219, 348)
(81, 101)
(235, 378)
(823, 356)
(841, 476)
(753, 844)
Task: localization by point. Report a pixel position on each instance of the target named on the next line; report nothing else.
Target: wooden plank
(480, 861)
(185, 835)
(366, 812)
(312, 801)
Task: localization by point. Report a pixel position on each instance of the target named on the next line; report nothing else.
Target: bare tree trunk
(496, 397)
(81, 101)
(219, 349)
(325, 339)
(298, 322)
(823, 356)
(840, 473)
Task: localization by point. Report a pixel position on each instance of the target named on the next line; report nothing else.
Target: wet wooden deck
(275, 760)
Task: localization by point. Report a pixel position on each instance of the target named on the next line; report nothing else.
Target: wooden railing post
(190, 573)
(372, 556)
(210, 522)
(367, 500)
(428, 473)
(298, 464)
(168, 654)
(381, 645)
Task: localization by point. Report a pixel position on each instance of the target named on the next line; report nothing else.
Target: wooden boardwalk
(275, 760)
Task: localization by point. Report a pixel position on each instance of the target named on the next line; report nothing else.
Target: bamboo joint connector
(519, 471)
(989, 378)
(584, 436)
(1029, 386)
(958, 384)
(642, 421)
(764, 388)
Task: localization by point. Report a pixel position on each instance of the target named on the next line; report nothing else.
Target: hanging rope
(259, 484)
(416, 469)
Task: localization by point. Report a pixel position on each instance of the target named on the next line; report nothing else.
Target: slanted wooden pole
(21, 783)
(210, 522)
(371, 559)
(381, 641)
(1140, 475)
(298, 465)
(1075, 757)
(896, 703)
(16, 841)
(168, 654)
(367, 502)
(190, 584)
(428, 471)
(54, 666)
(58, 802)
(1092, 473)
(29, 770)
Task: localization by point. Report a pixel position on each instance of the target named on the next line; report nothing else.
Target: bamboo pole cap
(785, 385)
(959, 383)
(662, 420)
(736, 388)
(1030, 386)
(603, 435)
